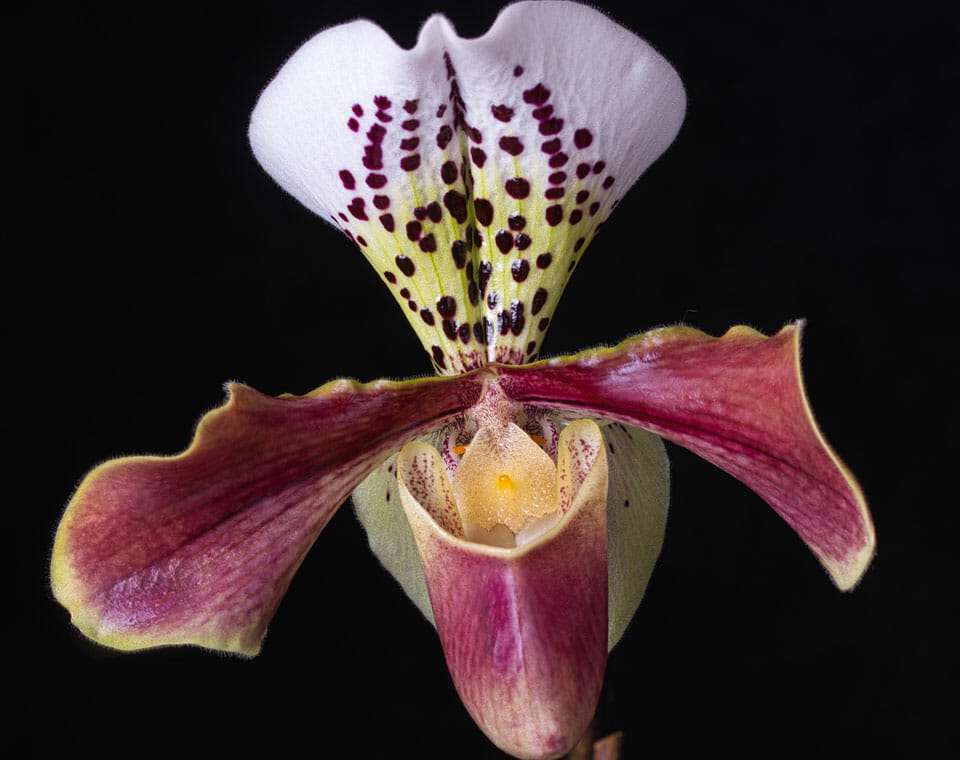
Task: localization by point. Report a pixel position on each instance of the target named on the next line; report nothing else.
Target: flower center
(505, 488)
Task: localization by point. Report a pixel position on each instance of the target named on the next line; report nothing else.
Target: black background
(149, 259)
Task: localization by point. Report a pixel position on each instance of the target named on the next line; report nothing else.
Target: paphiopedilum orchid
(520, 504)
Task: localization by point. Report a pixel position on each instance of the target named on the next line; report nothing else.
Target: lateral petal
(524, 630)
(738, 401)
(199, 548)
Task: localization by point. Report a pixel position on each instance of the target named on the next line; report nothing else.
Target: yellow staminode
(504, 484)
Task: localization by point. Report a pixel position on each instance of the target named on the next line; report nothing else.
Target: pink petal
(199, 548)
(524, 630)
(737, 401)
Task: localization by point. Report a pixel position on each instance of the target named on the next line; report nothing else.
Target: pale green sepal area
(637, 500)
(388, 532)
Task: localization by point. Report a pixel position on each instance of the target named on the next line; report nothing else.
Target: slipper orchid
(520, 505)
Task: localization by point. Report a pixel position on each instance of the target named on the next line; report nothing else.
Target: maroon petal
(738, 401)
(199, 548)
(524, 630)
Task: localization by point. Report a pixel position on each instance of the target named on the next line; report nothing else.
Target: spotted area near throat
(475, 212)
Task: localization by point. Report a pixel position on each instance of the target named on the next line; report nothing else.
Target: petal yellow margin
(68, 588)
(846, 575)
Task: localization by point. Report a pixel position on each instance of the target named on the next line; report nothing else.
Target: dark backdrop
(150, 259)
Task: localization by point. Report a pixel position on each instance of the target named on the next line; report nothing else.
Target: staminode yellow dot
(504, 483)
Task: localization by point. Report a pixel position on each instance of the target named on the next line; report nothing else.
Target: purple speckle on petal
(582, 196)
(520, 269)
(410, 124)
(517, 70)
(347, 179)
(479, 157)
(456, 204)
(413, 231)
(502, 112)
(557, 178)
(353, 124)
(554, 215)
(517, 222)
(516, 317)
(381, 202)
(504, 322)
(387, 221)
(410, 106)
(428, 244)
(544, 259)
(558, 160)
(583, 170)
(608, 183)
(539, 301)
(575, 216)
(536, 96)
(599, 167)
(523, 241)
(410, 143)
(485, 270)
(447, 306)
(373, 157)
(410, 163)
(459, 252)
(376, 133)
(517, 187)
(483, 210)
(551, 126)
(356, 208)
(551, 146)
(582, 138)
(405, 265)
(504, 241)
(376, 181)
(553, 193)
(444, 136)
(511, 145)
(448, 172)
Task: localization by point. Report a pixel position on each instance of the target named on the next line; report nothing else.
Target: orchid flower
(520, 504)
